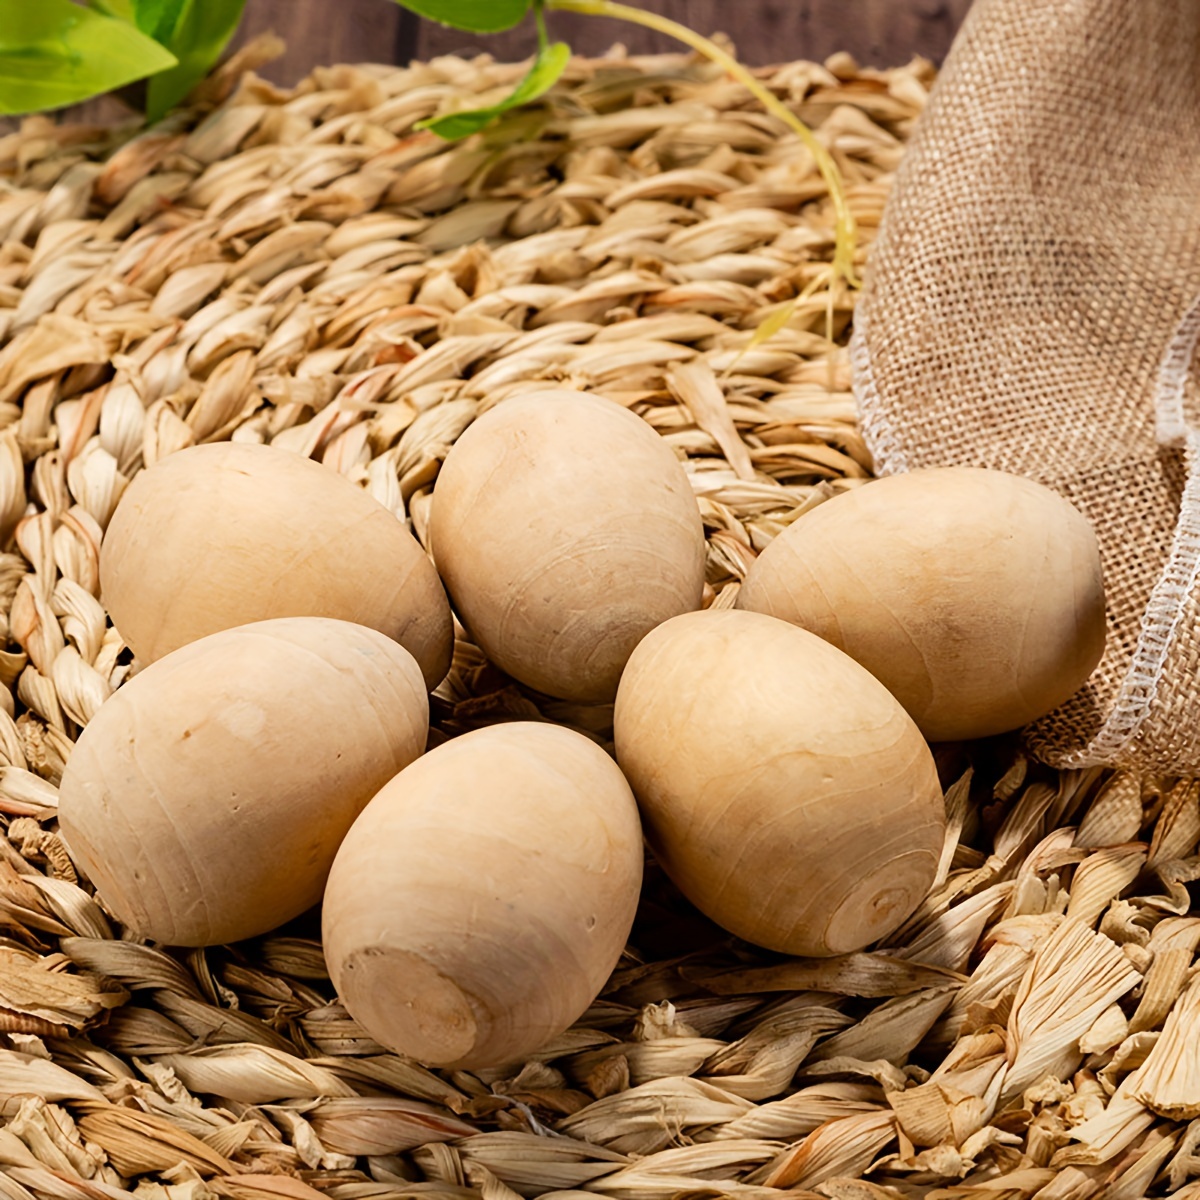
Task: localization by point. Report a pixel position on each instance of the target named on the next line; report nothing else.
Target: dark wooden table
(877, 32)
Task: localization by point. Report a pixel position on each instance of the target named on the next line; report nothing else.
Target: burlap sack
(1033, 305)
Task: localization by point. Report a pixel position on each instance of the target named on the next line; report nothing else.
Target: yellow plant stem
(843, 259)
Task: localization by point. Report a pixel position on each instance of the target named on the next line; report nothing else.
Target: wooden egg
(220, 535)
(975, 596)
(565, 529)
(782, 788)
(207, 797)
(482, 899)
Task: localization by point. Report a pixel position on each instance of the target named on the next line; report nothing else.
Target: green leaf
(201, 32)
(475, 16)
(54, 53)
(550, 63)
(122, 9)
(158, 18)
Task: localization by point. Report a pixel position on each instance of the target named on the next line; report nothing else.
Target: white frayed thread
(1168, 600)
(881, 436)
(1171, 423)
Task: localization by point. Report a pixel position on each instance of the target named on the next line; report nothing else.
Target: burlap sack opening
(1034, 306)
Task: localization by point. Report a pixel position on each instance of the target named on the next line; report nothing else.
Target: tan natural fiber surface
(302, 269)
(1035, 305)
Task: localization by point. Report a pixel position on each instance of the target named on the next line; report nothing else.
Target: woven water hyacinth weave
(301, 268)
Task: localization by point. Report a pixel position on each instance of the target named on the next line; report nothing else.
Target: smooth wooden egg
(975, 596)
(782, 788)
(480, 902)
(565, 529)
(220, 535)
(207, 797)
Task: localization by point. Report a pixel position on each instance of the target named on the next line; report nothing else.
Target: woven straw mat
(301, 268)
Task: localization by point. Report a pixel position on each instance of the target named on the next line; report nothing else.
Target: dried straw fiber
(300, 268)
(1035, 306)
